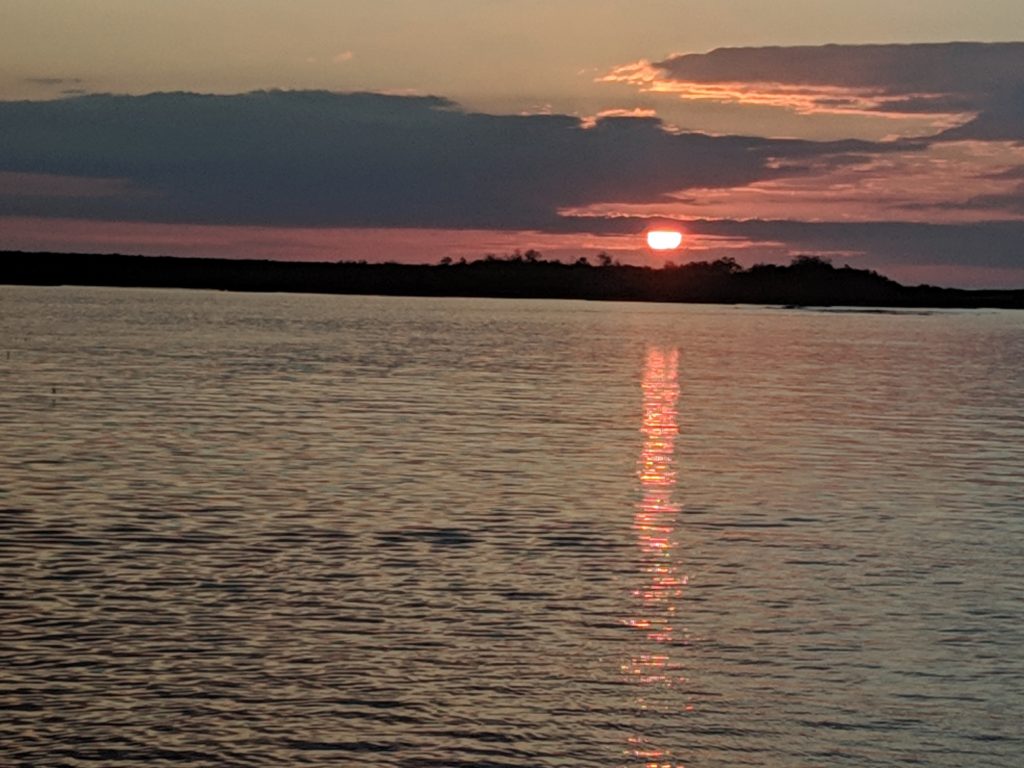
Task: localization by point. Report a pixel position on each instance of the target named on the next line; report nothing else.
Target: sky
(883, 135)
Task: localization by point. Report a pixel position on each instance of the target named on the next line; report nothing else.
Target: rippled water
(269, 530)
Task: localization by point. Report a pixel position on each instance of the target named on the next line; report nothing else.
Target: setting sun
(664, 239)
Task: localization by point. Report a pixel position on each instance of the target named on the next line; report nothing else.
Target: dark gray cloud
(308, 158)
(1001, 120)
(53, 81)
(932, 77)
(983, 80)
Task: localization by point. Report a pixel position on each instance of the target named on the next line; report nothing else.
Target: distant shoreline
(807, 281)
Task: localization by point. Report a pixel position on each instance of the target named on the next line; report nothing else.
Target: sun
(664, 239)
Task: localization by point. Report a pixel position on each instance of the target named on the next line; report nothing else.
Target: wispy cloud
(52, 81)
(636, 112)
(44, 187)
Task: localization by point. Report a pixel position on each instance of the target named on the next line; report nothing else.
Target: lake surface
(282, 530)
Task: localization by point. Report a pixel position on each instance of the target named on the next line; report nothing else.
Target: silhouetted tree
(808, 281)
(726, 266)
(811, 262)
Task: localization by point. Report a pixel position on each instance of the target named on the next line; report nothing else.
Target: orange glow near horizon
(664, 239)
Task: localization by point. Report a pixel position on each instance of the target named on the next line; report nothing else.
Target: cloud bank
(330, 159)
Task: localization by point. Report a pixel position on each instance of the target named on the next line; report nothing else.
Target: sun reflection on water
(652, 668)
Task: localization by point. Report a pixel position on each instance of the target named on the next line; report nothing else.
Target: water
(270, 530)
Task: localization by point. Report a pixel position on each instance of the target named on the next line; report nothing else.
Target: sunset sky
(886, 135)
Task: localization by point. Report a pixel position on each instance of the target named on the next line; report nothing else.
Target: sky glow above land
(887, 136)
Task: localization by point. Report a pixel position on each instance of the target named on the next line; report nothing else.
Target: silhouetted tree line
(807, 280)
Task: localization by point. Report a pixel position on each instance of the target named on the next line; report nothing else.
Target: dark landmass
(807, 281)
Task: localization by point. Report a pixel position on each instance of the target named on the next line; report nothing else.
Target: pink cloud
(17, 184)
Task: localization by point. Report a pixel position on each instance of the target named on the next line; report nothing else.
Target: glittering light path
(652, 669)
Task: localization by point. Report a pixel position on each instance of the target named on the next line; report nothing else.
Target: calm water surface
(278, 530)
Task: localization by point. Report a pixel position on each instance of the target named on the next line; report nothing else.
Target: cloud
(954, 82)
(47, 186)
(1013, 172)
(53, 81)
(637, 112)
(1001, 120)
(314, 158)
(989, 205)
(929, 185)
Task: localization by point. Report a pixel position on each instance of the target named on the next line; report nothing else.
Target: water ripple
(292, 530)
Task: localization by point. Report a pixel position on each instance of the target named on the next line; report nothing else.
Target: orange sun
(664, 239)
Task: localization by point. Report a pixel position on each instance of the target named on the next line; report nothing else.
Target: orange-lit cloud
(636, 112)
(803, 99)
(947, 84)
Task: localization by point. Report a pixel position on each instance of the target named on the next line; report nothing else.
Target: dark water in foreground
(245, 530)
